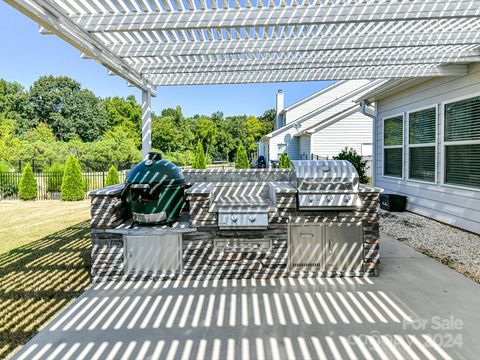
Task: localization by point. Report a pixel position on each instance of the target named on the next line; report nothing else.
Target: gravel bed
(456, 248)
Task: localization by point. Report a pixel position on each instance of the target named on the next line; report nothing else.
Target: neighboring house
(427, 145)
(322, 124)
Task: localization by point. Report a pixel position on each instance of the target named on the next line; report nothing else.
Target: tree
(112, 176)
(72, 182)
(69, 110)
(356, 160)
(268, 120)
(284, 162)
(217, 116)
(41, 132)
(27, 189)
(166, 135)
(206, 132)
(54, 175)
(9, 144)
(199, 161)
(254, 129)
(241, 160)
(84, 114)
(235, 126)
(14, 104)
(224, 142)
(176, 113)
(124, 114)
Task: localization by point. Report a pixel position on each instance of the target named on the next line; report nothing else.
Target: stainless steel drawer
(306, 247)
(328, 201)
(153, 253)
(232, 245)
(258, 220)
(344, 248)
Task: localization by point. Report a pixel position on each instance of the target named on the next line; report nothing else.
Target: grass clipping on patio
(38, 279)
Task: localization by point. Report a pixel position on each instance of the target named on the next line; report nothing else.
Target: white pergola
(153, 43)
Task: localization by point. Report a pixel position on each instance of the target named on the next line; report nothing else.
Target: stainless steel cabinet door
(344, 245)
(306, 247)
(153, 253)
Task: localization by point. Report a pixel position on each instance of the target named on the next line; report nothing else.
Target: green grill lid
(154, 170)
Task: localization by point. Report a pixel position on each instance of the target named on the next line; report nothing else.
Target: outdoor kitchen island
(312, 220)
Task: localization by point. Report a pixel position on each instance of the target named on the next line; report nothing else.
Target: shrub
(54, 175)
(199, 161)
(72, 182)
(4, 167)
(8, 181)
(356, 160)
(241, 160)
(27, 189)
(284, 162)
(184, 158)
(112, 176)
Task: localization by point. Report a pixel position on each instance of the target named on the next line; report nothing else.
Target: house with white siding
(427, 145)
(322, 124)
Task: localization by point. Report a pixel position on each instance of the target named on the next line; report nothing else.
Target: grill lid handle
(140, 186)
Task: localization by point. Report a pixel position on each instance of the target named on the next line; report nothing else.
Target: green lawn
(44, 264)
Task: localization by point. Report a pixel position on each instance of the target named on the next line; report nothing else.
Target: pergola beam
(146, 123)
(292, 44)
(305, 62)
(379, 72)
(52, 20)
(316, 14)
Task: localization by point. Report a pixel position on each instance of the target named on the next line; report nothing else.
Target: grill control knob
(253, 218)
(234, 218)
(329, 198)
(311, 198)
(347, 198)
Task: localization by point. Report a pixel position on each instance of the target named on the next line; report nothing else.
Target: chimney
(280, 104)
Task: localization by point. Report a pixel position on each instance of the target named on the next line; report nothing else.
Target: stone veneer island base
(200, 235)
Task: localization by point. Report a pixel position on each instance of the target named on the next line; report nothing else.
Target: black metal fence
(49, 183)
(87, 165)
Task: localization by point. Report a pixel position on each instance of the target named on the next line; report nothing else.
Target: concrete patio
(417, 309)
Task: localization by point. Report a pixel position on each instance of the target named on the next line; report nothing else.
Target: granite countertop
(114, 190)
(207, 187)
(369, 189)
(180, 226)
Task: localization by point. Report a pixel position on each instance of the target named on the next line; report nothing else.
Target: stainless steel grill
(241, 205)
(326, 185)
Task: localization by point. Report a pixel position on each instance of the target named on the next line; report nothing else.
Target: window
(282, 148)
(421, 144)
(393, 146)
(462, 142)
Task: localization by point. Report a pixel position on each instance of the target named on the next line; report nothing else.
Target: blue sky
(26, 55)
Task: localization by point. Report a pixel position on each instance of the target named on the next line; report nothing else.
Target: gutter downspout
(363, 111)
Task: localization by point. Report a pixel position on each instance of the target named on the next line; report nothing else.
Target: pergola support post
(146, 123)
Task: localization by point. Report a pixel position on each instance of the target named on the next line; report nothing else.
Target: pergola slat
(313, 43)
(168, 42)
(244, 77)
(280, 16)
(307, 63)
